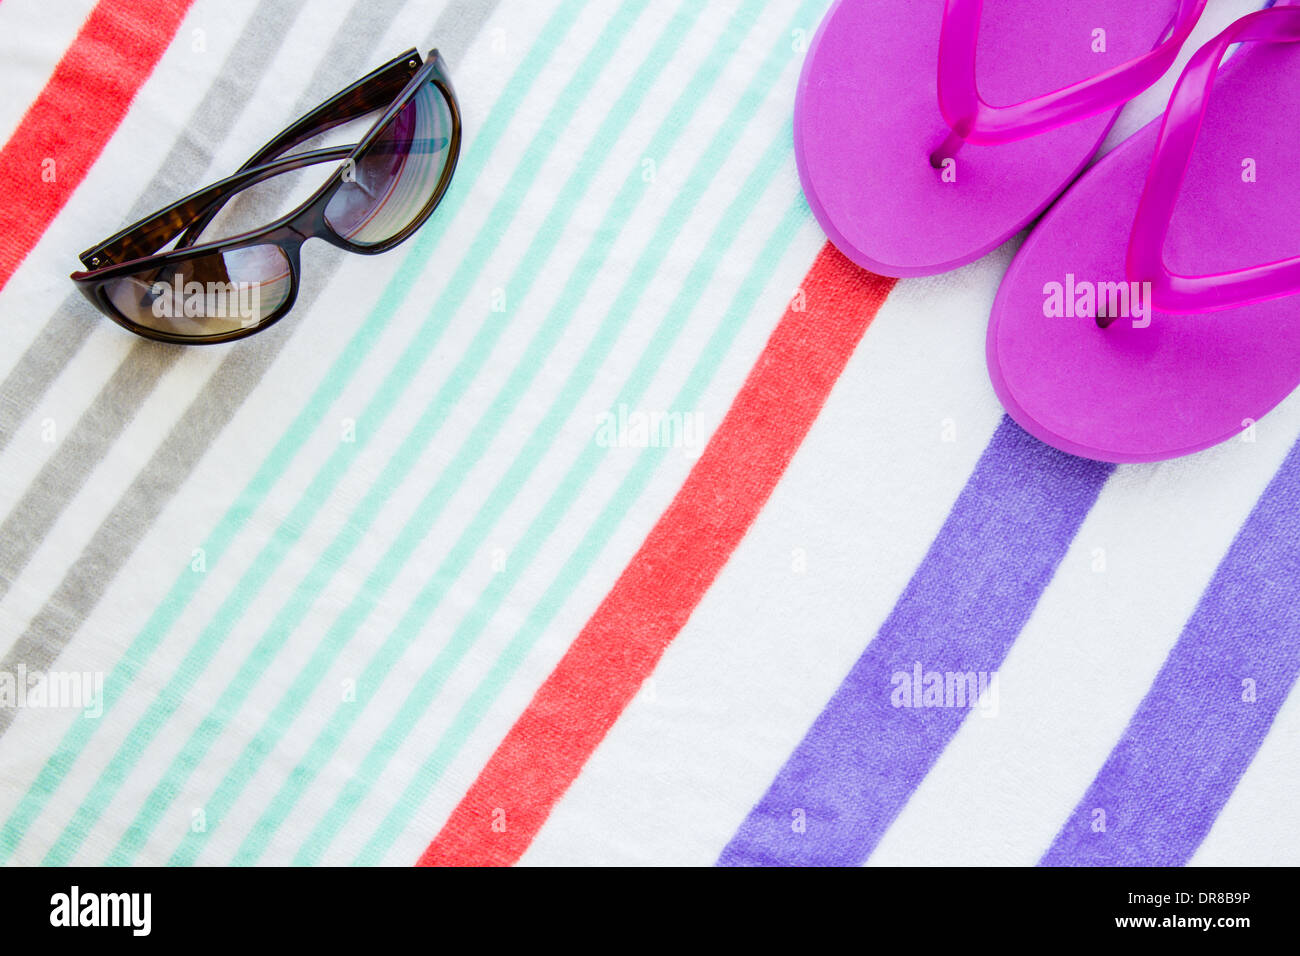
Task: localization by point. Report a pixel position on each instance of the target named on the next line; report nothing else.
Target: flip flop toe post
(892, 88)
(1152, 313)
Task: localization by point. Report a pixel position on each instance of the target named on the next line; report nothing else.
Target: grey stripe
(457, 27)
(121, 531)
(189, 158)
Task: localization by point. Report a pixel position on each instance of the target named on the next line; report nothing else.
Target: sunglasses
(384, 189)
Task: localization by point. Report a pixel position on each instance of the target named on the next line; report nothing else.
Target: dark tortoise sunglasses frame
(135, 248)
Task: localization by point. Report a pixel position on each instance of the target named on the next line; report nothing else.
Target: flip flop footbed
(1155, 386)
(867, 121)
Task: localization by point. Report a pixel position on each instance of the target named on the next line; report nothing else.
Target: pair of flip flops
(1148, 315)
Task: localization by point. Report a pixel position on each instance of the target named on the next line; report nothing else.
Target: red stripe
(75, 115)
(621, 644)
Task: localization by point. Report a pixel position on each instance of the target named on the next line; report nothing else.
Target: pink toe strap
(1178, 133)
(976, 121)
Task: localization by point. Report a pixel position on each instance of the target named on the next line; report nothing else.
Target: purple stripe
(1193, 735)
(961, 611)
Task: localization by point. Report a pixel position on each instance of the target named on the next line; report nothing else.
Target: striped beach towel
(614, 518)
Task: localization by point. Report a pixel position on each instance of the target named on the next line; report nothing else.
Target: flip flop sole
(1184, 382)
(867, 121)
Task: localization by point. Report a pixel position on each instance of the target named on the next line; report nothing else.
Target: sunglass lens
(208, 295)
(391, 183)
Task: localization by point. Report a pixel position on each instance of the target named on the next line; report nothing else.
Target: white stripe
(1258, 826)
(1004, 786)
(100, 204)
(461, 327)
(34, 35)
(624, 159)
(762, 654)
(205, 496)
(80, 382)
(768, 645)
(97, 208)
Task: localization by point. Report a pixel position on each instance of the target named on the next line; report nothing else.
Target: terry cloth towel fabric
(614, 518)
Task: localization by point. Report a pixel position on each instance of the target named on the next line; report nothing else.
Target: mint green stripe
(431, 682)
(579, 563)
(587, 367)
(478, 152)
(404, 460)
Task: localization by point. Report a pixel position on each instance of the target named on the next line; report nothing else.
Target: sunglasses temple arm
(373, 92)
(146, 237)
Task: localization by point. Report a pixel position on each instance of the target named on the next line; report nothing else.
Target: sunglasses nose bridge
(299, 231)
(291, 238)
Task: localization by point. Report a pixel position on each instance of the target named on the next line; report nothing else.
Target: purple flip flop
(908, 168)
(1149, 315)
